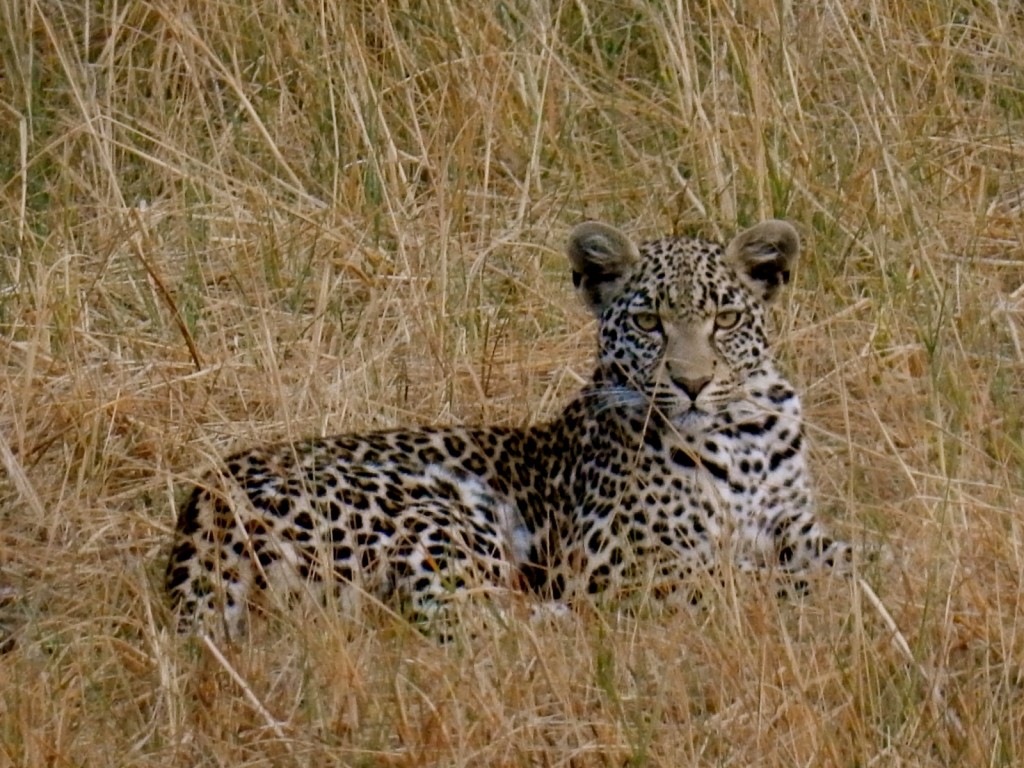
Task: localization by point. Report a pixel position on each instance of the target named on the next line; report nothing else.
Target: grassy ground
(225, 223)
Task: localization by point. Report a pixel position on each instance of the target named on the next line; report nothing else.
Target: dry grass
(224, 223)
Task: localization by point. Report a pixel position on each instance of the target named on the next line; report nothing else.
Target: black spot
(188, 520)
(653, 439)
(309, 572)
(366, 539)
(176, 577)
(336, 535)
(784, 455)
(598, 579)
(365, 482)
(454, 445)
(355, 499)
(557, 586)
(367, 559)
(296, 534)
(280, 507)
(757, 428)
(475, 464)
(384, 525)
(184, 551)
(201, 587)
(716, 470)
(439, 551)
(682, 458)
(266, 557)
(390, 508)
(255, 529)
(430, 455)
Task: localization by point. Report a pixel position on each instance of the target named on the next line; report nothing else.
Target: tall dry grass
(227, 223)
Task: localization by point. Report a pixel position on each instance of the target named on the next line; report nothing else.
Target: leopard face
(685, 333)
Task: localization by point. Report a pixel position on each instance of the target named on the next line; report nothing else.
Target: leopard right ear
(764, 255)
(601, 258)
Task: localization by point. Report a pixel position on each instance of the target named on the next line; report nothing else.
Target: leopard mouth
(675, 408)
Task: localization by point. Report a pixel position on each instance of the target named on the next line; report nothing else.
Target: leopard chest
(694, 485)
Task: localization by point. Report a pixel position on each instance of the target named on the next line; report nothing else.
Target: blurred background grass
(226, 223)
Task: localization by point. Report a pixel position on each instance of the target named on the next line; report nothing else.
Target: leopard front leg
(798, 546)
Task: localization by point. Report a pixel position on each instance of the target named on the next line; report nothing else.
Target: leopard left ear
(602, 258)
(764, 255)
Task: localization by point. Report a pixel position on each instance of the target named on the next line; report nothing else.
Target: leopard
(684, 452)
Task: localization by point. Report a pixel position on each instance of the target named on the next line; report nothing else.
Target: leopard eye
(647, 321)
(727, 319)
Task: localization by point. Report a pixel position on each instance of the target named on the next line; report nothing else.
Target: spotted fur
(685, 450)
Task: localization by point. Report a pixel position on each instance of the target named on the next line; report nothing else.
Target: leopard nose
(692, 387)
